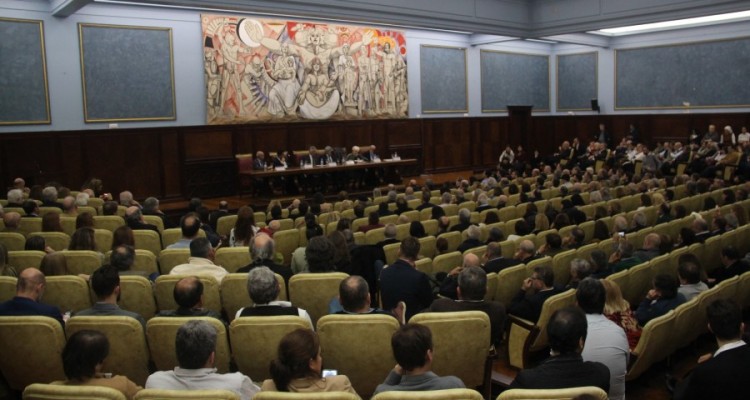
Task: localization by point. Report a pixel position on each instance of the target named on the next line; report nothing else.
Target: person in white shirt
(605, 342)
(507, 155)
(744, 136)
(201, 261)
(195, 346)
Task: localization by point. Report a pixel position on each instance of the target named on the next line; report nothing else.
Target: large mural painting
(271, 70)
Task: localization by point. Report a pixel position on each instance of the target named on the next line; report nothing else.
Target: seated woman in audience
(416, 230)
(122, 236)
(541, 223)
(739, 212)
(5, 269)
(83, 358)
(84, 220)
(342, 260)
(51, 222)
(54, 264)
(441, 245)
(298, 367)
(617, 310)
(38, 243)
(686, 238)
(244, 229)
(491, 218)
(83, 239)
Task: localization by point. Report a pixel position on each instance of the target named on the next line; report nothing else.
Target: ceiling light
(679, 23)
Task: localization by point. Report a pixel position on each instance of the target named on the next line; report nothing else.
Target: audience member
(134, 219)
(190, 225)
(354, 299)
(494, 260)
(731, 265)
(689, 271)
(29, 290)
(401, 281)
(320, 253)
(262, 253)
(188, 294)
(617, 310)
(264, 290)
(662, 298)
(528, 302)
(201, 261)
(474, 233)
(105, 281)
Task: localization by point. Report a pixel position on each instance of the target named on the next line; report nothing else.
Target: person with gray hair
(473, 239)
(390, 233)
(151, 207)
(472, 287)
(126, 199)
(494, 260)
(69, 206)
(201, 261)
(195, 346)
(49, 197)
(526, 252)
(464, 221)
(262, 252)
(135, 221)
(123, 258)
(650, 250)
(622, 258)
(15, 198)
(580, 269)
(264, 289)
(483, 203)
(82, 199)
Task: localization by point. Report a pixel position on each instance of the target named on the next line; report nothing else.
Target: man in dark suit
(472, 286)
(722, 375)
(390, 233)
(528, 302)
(494, 260)
(354, 299)
(49, 197)
(732, 265)
(426, 196)
(566, 330)
(29, 289)
(31, 208)
(473, 234)
(134, 219)
(464, 220)
(401, 281)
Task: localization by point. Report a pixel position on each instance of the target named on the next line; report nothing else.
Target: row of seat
(249, 342)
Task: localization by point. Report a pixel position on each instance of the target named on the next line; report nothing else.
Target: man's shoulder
(448, 382)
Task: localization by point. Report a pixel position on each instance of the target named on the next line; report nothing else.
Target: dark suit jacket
(259, 164)
(498, 264)
(564, 371)
(136, 225)
(20, 306)
(722, 377)
(724, 273)
(385, 242)
(530, 307)
(52, 204)
(425, 205)
(460, 227)
(493, 309)
(484, 207)
(402, 282)
(469, 244)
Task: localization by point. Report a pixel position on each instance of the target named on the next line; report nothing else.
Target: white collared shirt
(729, 346)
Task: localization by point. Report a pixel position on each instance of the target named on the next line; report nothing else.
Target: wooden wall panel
(202, 145)
(171, 173)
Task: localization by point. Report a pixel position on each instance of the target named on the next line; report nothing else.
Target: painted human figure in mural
(256, 84)
(213, 82)
(364, 89)
(390, 59)
(283, 95)
(402, 97)
(230, 76)
(376, 81)
(318, 97)
(347, 77)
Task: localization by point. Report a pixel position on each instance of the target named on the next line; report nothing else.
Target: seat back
(56, 240)
(82, 261)
(653, 346)
(552, 304)
(128, 353)
(373, 236)
(164, 394)
(69, 224)
(255, 341)
(233, 258)
(108, 222)
(25, 259)
(302, 396)
(639, 283)
(477, 251)
(170, 258)
(164, 292)
(424, 265)
(103, 240)
(7, 287)
(31, 348)
(453, 238)
(391, 252)
(234, 295)
(313, 292)
(509, 280)
(67, 292)
(137, 295)
(13, 241)
(492, 283)
(146, 239)
(446, 262)
(561, 266)
(225, 224)
(588, 392)
(427, 246)
(162, 331)
(286, 242)
(342, 349)
(688, 320)
(145, 261)
(42, 391)
(154, 220)
(472, 329)
(444, 394)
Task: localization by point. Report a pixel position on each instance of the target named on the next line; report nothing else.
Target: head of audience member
(522, 228)
(133, 214)
(54, 264)
(69, 205)
(354, 294)
(31, 284)
(464, 216)
(416, 230)
(471, 260)
(665, 286)
(105, 281)
(566, 331)
(123, 235)
(36, 243)
(190, 225)
(15, 197)
(542, 278)
(49, 194)
(263, 248)
(109, 208)
(472, 283)
(409, 249)
(151, 205)
(580, 269)
(525, 250)
(195, 345)
(441, 245)
(438, 213)
(373, 218)
(83, 239)
(591, 296)
(495, 235)
(245, 224)
(194, 203)
(126, 198)
(614, 302)
(11, 220)
(412, 348)
(730, 255)
(84, 355)
(689, 269)
(201, 248)
(188, 293)
(725, 320)
(85, 220)
(298, 357)
(262, 285)
(30, 207)
(474, 232)
(122, 257)
(320, 254)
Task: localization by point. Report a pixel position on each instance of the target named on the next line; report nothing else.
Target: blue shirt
(23, 306)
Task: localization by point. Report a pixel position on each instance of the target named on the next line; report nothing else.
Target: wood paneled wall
(181, 162)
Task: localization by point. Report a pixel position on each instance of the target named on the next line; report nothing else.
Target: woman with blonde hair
(617, 310)
(541, 223)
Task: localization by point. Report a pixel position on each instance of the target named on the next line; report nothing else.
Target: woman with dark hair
(244, 229)
(51, 222)
(687, 237)
(416, 230)
(491, 218)
(342, 260)
(85, 220)
(37, 243)
(561, 221)
(54, 264)
(709, 204)
(343, 224)
(123, 235)
(601, 231)
(82, 239)
(83, 358)
(298, 367)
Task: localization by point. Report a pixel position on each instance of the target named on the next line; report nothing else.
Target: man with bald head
(134, 218)
(190, 225)
(449, 286)
(69, 207)
(262, 251)
(11, 220)
(650, 250)
(126, 199)
(472, 287)
(188, 294)
(29, 290)
(272, 227)
(354, 297)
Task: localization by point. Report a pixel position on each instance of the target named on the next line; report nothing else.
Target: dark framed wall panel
(443, 77)
(24, 93)
(577, 81)
(127, 73)
(695, 75)
(510, 79)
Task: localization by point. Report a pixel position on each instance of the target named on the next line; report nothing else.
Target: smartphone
(622, 234)
(330, 372)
